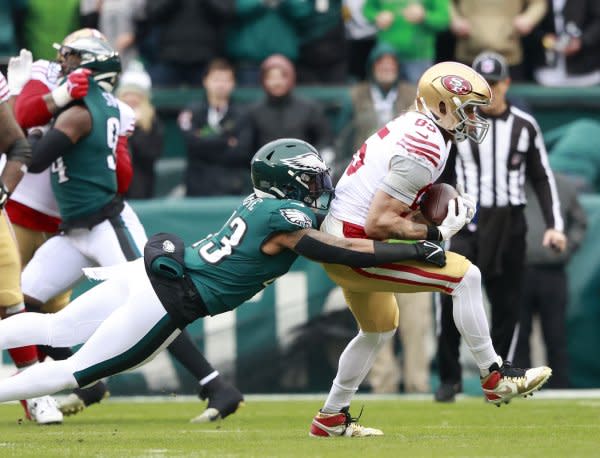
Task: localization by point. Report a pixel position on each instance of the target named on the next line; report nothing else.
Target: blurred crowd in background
(378, 48)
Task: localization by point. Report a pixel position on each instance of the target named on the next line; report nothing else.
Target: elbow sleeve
(50, 147)
(20, 151)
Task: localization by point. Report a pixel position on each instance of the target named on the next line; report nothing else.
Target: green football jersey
(228, 267)
(84, 178)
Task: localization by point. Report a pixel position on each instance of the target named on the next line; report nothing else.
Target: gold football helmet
(86, 32)
(63, 49)
(449, 93)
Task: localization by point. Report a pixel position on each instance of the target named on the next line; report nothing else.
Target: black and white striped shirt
(495, 170)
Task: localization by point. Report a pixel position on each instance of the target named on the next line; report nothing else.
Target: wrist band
(61, 95)
(433, 233)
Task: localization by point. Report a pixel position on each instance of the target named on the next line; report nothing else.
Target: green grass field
(413, 428)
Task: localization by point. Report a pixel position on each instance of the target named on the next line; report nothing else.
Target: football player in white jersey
(377, 198)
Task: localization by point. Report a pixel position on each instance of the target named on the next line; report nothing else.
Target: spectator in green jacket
(410, 26)
(262, 28)
(46, 22)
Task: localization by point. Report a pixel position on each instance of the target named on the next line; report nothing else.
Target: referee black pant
(503, 290)
(545, 293)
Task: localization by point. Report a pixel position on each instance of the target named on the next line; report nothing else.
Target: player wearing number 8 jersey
(143, 305)
(377, 198)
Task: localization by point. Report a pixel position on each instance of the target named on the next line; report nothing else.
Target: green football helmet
(289, 168)
(94, 52)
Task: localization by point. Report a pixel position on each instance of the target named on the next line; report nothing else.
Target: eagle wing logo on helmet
(457, 85)
(296, 217)
(308, 162)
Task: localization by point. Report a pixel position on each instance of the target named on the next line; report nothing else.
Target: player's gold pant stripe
(419, 271)
(402, 277)
(368, 291)
(406, 281)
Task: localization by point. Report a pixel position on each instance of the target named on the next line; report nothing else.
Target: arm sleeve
(30, 107)
(383, 253)
(542, 179)
(49, 148)
(405, 179)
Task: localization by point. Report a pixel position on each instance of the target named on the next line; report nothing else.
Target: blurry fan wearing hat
(146, 143)
(283, 114)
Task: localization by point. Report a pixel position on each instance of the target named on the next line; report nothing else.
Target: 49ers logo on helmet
(457, 85)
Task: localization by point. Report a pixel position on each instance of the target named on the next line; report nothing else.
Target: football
(434, 203)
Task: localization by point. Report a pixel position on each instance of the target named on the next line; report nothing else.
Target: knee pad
(471, 279)
(376, 339)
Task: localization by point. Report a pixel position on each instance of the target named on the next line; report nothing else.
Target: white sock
(471, 321)
(355, 362)
(38, 380)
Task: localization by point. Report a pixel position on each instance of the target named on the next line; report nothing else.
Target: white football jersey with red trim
(46, 72)
(411, 135)
(4, 94)
(127, 119)
(35, 190)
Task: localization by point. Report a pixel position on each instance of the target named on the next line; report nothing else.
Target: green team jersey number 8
(112, 138)
(211, 254)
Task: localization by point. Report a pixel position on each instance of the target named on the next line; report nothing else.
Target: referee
(495, 172)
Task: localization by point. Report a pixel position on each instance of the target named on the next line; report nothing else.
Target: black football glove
(4, 195)
(431, 252)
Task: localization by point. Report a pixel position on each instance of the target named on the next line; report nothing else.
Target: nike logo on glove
(436, 249)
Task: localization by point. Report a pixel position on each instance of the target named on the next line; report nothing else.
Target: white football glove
(469, 201)
(454, 222)
(19, 71)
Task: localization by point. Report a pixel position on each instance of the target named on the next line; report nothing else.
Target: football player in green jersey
(98, 228)
(143, 305)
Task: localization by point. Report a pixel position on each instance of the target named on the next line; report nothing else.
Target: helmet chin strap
(427, 112)
(105, 80)
(106, 86)
(264, 195)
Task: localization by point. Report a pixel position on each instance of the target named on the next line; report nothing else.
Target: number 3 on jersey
(210, 253)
